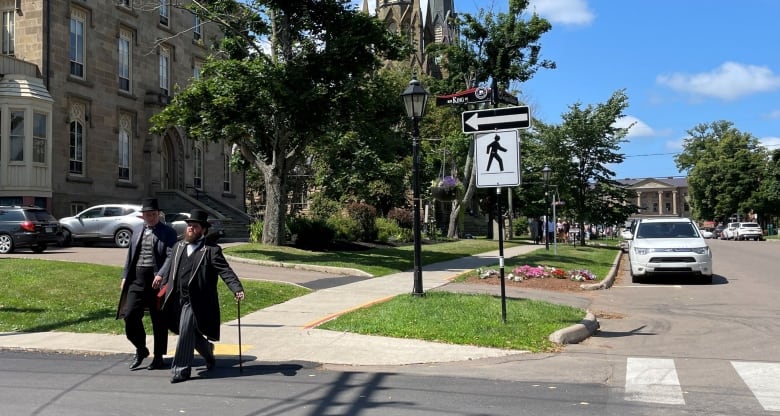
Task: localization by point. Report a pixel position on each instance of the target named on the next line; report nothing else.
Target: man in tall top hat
(196, 264)
(148, 260)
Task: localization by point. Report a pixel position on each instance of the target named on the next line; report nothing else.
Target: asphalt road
(673, 347)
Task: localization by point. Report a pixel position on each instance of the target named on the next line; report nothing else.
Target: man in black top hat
(148, 259)
(196, 263)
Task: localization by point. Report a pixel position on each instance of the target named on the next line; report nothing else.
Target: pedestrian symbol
(498, 159)
(493, 149)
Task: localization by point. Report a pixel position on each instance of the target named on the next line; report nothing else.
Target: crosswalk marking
(762, 379)
(652, 380)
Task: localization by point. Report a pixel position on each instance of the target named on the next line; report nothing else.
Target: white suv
(749, 231)
(669, 246)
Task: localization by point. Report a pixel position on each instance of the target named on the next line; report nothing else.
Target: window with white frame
(226, 173)
(164, 13)
(78, 21)
(124, 62)
(197, 159)
(40, 137)
(8, 32)
(123, 160)
(17, 136)
(165, 64)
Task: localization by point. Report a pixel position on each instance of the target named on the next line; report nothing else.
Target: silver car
(178, 221)
(109, 222)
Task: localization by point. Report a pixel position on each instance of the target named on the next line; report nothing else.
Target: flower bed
(526, 272)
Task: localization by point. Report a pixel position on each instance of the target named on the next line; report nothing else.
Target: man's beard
(192, 237)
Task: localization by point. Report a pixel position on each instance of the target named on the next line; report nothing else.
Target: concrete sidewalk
(286, 332)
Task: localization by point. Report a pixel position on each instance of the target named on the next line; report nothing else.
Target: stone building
(659, 196)
(103, 68)
(421, 25)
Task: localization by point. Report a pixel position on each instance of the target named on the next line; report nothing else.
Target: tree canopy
(274, 103)
(725, 170)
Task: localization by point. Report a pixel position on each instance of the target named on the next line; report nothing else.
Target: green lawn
(41, 295)
(376, 261)
(462, 319)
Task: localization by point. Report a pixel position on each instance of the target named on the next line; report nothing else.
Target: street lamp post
(415, 99)
(546, 173)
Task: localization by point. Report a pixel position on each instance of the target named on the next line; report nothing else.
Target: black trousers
(141, 296)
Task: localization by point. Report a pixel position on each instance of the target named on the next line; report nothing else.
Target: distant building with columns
(657, 197)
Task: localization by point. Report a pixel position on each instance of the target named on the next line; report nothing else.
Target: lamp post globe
(415, 100)
(546, 174)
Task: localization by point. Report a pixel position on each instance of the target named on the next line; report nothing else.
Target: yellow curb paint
(224, 349)
(321, 321)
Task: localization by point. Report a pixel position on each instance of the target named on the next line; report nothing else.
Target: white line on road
(652, 380)
(761, 378)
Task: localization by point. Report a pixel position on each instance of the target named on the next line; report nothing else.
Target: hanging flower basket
(445, 189)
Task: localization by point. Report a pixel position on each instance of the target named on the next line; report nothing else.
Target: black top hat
(199, 216)
(150, 204)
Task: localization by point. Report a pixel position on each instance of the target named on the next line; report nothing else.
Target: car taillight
(28, 226)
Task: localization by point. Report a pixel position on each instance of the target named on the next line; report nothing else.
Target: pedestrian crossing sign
(497, 159)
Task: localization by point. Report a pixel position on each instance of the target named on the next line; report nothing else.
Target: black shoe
(211, 362)
(178, 378)
(156, 364)
(138, 358)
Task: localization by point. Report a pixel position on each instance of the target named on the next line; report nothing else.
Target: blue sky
(681, 62)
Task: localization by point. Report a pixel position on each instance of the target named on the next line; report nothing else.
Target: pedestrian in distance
(191, 282)
(148, 260)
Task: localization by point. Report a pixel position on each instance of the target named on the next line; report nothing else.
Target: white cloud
(675, 145)
(639, 128)
(565, 12)
(770, 143)
(772, 114)
(730, 81)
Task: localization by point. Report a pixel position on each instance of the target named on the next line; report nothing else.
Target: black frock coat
(210, 264)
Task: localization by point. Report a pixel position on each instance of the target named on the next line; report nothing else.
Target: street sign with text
(506, 118)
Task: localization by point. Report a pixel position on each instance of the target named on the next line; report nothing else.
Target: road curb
(609, 279)
(345, 271)
(576, 333)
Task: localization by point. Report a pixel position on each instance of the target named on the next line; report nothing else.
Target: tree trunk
(275, 206)
(471, 173)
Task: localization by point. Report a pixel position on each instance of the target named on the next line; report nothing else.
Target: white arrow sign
(496, 119)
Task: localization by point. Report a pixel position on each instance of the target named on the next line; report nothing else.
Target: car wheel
(707, 280)
(39, 248)
(64, 239)
(6, 244)
(122, 238)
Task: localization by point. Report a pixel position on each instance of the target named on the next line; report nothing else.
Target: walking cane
(240, 360)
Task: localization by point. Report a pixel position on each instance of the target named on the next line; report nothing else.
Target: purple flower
(448, 182)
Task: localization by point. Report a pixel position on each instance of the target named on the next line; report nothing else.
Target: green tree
(365, 159)
(501, 48)
(579, 151)
(273, 104)
(725, 168)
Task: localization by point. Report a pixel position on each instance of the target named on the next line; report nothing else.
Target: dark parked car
(718, 231)
(26, 226)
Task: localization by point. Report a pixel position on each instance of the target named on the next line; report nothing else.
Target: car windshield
(750, 225)
(666, 230)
